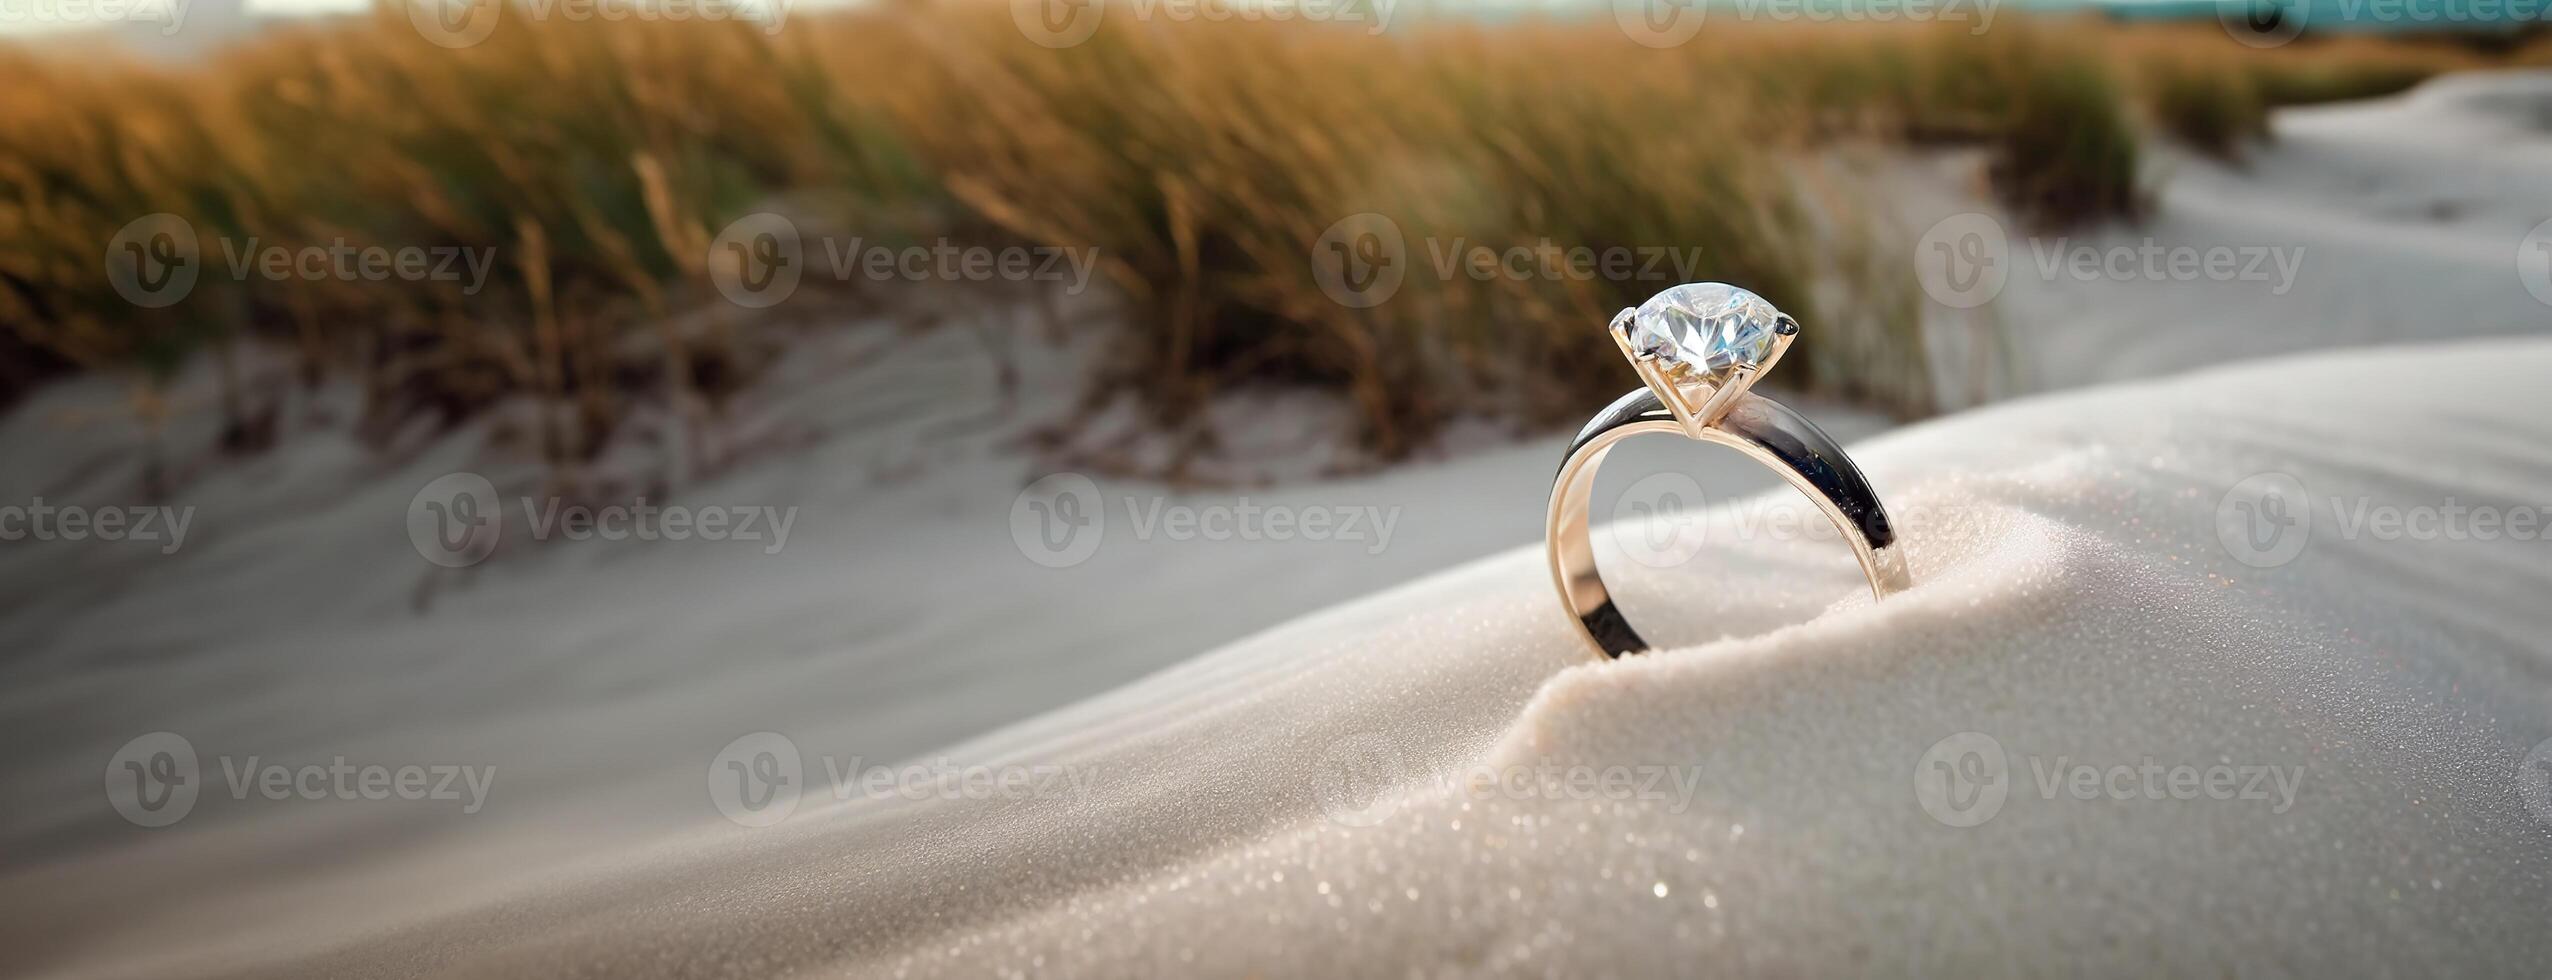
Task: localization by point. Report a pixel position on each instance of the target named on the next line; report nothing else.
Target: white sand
(2400, 218)
(2076, 603)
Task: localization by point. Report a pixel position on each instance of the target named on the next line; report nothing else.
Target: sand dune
(1292, 802)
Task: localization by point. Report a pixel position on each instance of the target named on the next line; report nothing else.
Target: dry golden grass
(1205, 163)
(1201, 161)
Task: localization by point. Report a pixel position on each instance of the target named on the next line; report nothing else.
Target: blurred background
(545, 396)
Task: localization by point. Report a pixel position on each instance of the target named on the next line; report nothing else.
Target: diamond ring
(1700, 347)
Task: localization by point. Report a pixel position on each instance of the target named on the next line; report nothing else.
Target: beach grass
(1202, 163)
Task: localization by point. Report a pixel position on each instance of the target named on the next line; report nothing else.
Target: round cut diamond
(1702, 332)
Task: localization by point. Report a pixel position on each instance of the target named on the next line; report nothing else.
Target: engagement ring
(1700, 346)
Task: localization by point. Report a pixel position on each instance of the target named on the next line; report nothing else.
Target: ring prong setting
(1700, 346)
